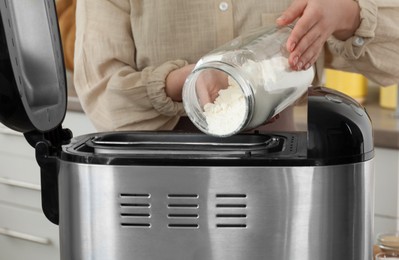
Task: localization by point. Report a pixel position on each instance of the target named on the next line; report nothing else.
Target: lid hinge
(48, 148)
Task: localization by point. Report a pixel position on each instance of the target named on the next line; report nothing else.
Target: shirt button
(358, 41)
(223, 6)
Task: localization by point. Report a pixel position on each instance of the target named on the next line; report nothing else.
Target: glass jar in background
(352, 84)
(389, 243)
(244, 83)
(387, 256)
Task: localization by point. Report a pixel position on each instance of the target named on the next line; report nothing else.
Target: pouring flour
(260, 83)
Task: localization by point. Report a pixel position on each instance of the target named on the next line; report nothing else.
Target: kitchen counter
(385, 122)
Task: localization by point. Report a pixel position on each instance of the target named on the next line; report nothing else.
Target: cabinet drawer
(20, 193)
(20, 168)
(14, 143)
(27, 234)
(19, 181)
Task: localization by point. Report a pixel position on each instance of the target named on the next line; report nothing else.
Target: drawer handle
(23, 236)
(20, 184)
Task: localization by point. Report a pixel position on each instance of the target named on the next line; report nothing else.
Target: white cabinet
(25, 233)
(386, 190)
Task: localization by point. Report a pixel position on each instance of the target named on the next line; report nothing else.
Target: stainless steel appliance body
(186, 196)
(223, 213)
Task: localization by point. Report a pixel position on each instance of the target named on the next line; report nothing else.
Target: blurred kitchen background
(26, 234)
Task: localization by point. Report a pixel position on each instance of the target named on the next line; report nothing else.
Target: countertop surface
(385, 121)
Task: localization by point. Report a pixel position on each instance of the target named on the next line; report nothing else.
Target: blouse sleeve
(374, 49)
(113, 92)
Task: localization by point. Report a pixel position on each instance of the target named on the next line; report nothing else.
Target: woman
(133, 56)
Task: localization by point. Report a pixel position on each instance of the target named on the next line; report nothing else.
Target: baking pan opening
(182, 143)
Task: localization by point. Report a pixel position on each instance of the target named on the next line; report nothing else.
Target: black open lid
(33, 92)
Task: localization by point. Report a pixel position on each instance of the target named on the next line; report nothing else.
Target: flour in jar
(227, 112)
(275, 87)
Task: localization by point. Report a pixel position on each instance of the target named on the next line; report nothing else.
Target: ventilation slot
(128, 195)
(137, 225)
(231, 215)
(183, 226)
(135, 210)
(183, 216)
(231, 206)
(182, 196)
(231, 210)
(183, 211)
(193, 206)
(231, 225)
(231, 195)
(136, 215)
(136, 205)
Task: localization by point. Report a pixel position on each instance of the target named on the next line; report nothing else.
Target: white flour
(226, 114)
(275, 87)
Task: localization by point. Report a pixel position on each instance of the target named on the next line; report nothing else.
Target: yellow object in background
(351, 84)
(66, 10)
(389, 96)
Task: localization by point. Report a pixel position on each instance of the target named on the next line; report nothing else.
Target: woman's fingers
(308, 46)
(316, 20)
(294, 11)
(310, 55)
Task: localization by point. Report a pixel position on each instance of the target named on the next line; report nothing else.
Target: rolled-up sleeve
(113, 92)
(374, 48)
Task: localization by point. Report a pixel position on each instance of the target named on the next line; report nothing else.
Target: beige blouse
(125, 49)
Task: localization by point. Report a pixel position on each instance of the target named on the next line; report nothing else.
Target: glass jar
(387, 256)
(244, 83)
(389, 242)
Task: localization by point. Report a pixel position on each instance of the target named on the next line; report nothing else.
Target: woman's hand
(209, 83)
(175, 80)
(317, 20)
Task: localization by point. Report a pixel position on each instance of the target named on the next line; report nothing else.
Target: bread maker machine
(294, 195)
